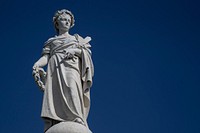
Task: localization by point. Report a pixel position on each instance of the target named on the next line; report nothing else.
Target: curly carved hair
(60, 12)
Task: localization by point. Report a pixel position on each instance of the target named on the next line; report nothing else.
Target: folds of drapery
(86, 73)
(87, 70)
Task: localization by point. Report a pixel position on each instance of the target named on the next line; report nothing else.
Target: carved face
(64, 22)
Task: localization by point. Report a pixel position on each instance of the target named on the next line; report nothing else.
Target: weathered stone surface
(68, 127)
(68, 78)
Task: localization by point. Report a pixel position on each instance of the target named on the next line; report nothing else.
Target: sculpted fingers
(69, 54)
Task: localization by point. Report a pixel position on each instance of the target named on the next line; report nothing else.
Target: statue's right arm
(42, 61)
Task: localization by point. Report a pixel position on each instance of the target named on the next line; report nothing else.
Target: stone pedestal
(68, 127)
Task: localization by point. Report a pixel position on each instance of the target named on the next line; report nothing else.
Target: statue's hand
(35, 66)
(70, 54)
(39, 76)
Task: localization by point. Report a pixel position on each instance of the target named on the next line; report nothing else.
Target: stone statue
(67, 82)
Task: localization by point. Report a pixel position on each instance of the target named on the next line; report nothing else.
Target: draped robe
(67, 86)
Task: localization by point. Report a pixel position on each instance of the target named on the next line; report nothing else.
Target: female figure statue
(68, 79)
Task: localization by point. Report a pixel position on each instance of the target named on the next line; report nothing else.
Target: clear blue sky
(146, 57)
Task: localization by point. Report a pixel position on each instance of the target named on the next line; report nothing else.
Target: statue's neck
(63, 33)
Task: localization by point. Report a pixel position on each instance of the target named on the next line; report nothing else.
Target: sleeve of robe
(87, 68)
(46, 48)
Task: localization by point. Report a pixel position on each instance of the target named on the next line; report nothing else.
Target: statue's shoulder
(81, 39)
(50, 40)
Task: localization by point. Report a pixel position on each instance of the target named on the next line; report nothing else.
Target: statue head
(60, 14)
